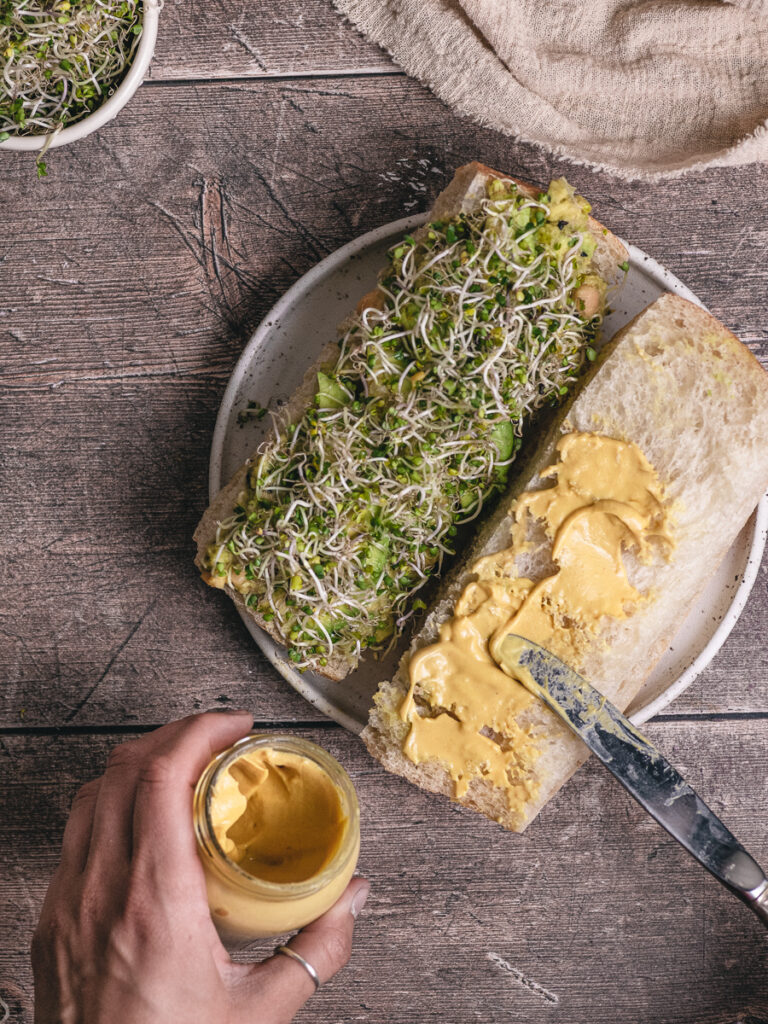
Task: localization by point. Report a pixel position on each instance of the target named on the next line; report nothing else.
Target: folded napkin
(645, 88)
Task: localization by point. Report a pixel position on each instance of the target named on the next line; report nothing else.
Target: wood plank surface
(267, 136)
(228, 40)
(131, 279)
(594, 916)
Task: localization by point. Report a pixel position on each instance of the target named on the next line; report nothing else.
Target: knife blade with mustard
(638, 766)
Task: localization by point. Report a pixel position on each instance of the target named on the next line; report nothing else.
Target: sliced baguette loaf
(463, 194)
(695, 400)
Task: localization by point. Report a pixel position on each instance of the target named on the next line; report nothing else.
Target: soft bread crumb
(678, 384)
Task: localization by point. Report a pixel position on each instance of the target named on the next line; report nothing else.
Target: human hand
(125, 932)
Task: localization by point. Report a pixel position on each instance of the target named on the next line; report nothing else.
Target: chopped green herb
(253, 411)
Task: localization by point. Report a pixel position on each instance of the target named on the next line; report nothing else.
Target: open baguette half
(463, 194)
(679, 385)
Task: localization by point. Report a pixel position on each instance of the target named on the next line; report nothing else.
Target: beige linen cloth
(646, 88)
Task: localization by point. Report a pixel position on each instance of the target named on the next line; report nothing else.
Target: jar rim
(286, 743)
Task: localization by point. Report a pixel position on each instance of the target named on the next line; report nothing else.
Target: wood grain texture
(229, 40)
(130, 280)
(594, 915)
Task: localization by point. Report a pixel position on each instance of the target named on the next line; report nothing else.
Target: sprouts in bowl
(69, 66)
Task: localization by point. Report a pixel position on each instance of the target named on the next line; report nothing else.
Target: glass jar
(243, 905)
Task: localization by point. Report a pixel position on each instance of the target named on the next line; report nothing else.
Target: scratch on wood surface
(522, 980)
(58, 280)
(293, 23)
(22, 384)
(180, 228)
(213, 212)
(248, 47)
(133, 631)
(103, 143)
(25, 891)
(293, 219)
(211, 246)
(278, 140)
(29, 654)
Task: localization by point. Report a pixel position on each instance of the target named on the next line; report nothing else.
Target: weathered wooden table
(130, 279)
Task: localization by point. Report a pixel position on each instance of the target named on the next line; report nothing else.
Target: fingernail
(358, 900)
(232, 711)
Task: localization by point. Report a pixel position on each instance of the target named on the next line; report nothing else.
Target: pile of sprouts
(349, 510)
(61, 59)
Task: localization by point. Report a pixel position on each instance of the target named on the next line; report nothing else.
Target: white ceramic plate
(271, 368)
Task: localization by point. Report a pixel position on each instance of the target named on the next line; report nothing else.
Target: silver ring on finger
(287, 951)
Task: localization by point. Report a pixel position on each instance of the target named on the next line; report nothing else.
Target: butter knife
(638, 766)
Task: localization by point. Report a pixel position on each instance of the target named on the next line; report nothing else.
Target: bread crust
(462, 192)
(701, 419)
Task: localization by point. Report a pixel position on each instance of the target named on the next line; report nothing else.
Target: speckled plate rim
(758, 524)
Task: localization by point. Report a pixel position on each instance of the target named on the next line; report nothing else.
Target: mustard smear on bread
(462, 709)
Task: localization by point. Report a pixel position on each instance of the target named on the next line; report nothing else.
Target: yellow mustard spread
(277, 815)
(462, 709)
(277, 825)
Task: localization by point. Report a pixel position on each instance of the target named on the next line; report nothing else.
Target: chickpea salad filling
(347, 512)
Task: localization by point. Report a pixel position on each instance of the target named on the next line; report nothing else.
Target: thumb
(283, 984)
(327, 942)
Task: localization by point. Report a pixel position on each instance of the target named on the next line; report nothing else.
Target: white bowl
(111, 107)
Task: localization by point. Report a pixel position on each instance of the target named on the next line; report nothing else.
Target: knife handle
(760, 905)
(735, 868)
(639, 767)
